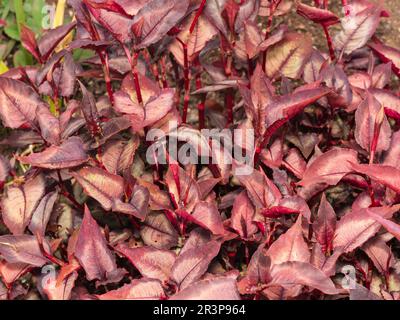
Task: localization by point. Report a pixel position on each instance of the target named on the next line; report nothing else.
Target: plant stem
(186, 76)
(19, 14)
(273, 6)
(329, 41)
(201, 104)
(132, 62)
(345, 8)
(197, 16)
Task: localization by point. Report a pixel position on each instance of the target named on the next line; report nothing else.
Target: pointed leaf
(106, 188)
(70, 153)
(91, 250)
(219, 288)
(151, 262)
(18, 103)
(19, 203)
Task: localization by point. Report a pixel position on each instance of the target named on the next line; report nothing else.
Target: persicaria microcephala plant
(204, 150)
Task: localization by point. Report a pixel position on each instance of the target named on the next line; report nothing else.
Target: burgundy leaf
(290, 246)
(52, 38)
(288, 56)
(61, 291)
(262, 192)
(386, 175)
(317, 15)
(193, 263)
(207, 216)
(379, 252)
(242, 216)
(22, 249)
(18, 103)
(387, 54)
(29, 42)
(325, 224)
(106, 188)
(294, 273)
(151, 262)
(330, 167)
(389, 225)
(70, 153)
(356, 227)
(41, 215)
(218, 288)
(92, 252)
(49, 125)
(357, 28)
(372, 130)
(286, 107)
(156, 18)
(158, 232)
(115, 23)
(118, 155)
(138, 289)
(258, 271)
(19, 203)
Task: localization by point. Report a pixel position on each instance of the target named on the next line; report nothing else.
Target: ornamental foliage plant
(112, 186)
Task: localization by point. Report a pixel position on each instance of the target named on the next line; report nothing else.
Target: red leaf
(29, 42)
(207, 216)
(390, 226)
(288, 106)
(60, 291)
(242, 216)
(22, 249)
(386, 175)
(41, 215)
(106, 188)
(70, 153)
(317, 15)
(290, 246)
(142, 289)
(193, 263)
(329, 167)
(52, 38)
(262, 192)
(358, 27)
(325, 224)
(387, 54)
(372, 130)
(158, 17)
(159, 232)
(18, 103)
(92, 252)
(19, 203)
(356, 227)
(293, 273)
(218, 288)
(151, 262)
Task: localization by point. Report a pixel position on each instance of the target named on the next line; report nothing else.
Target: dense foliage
(89, 211)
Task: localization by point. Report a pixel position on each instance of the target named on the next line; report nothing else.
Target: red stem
(197, 16)
(274, 5)
(201, 104)
(329, 41)
(132, 62)
(345, 8)
(186, 76)
(107, 78)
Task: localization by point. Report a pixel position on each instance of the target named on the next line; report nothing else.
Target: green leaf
(22, 58)
(19, 13)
